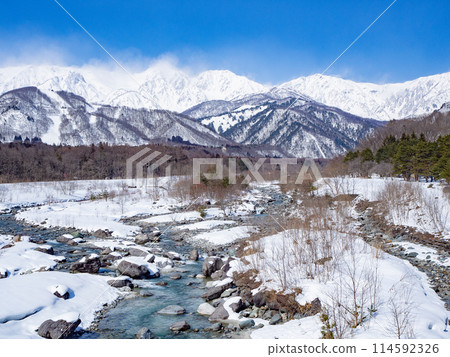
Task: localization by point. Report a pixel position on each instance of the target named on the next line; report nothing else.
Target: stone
(412, 255)
(120, 283)
(244, 324)
(172, 255)
(237, 306)
(136, 252)
(136, 271)
(90, 264)
(175, 276)
(146, 293)
(275, 319)
(161, 283)
(57, 329)
(145, 334)
(106, 251)
(259, 326)
(64, 238)
(205, 309)
(217, 275)
(72, 243)
(194, 255)
(99, 233)
(172, 310)
(211, 265)
(216, 291)
(45, 249)
(219, 314)
(180, 326)
(113, 256)
(214, 327)
(259, 299)
(227, 293)
(142, 239)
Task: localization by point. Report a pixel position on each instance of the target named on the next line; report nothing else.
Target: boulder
(172, 255)
(259, 299)
(64, 238)
(90, 264)
(142, 238)
(217, 275)
(205, 309)
(180, 326)
(60, 291)
(219, 314)
(136, 252)
(57, 329)
(113, 256)
(175, 276)
(275, 319)
(106, 251)
(136, 271)
(172, 310)
(3, 273)
(99, 233)
(194, 255)
(216, 291)
(120, 283)
(145, 334)
(215, 327)
(244, 324)
(45, 249)
(237, 306)
(211, 265)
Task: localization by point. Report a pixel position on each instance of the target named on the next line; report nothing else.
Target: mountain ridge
(164, 86)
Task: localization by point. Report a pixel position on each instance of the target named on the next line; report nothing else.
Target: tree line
(410, 156)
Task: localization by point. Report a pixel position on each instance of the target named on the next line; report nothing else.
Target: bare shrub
(401, 307)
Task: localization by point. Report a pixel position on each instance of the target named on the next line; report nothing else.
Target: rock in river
(180, 326)
(90, 264)
(136, 271)
(145, 334)
(172, 310)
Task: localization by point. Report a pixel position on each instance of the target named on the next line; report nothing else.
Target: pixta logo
(142, 166)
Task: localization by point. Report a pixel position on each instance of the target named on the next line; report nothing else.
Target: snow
(428, 209)
(34, 303)
(397, 279)
(174, 217)
(377, 101)
(84, 208)
(205, 225)
(306, 328)
(224, 236)
(162, 85)
(22, 258)
(424, 253)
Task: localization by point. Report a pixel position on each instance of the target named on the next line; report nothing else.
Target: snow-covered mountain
(163, 85)
(381, 102)
(160, 86)
(63, 117)
(297, 125)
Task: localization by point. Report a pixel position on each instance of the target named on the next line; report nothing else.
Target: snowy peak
(160, 86)
(377, 101)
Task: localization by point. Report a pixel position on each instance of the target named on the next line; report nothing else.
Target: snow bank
(26, 301)
(224, 236)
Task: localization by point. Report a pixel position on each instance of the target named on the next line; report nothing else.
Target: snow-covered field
(385, 284)
(420, 205)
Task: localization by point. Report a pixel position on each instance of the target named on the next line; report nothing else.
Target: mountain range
(315, 116)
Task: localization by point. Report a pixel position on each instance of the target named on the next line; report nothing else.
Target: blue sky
(269, 41)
